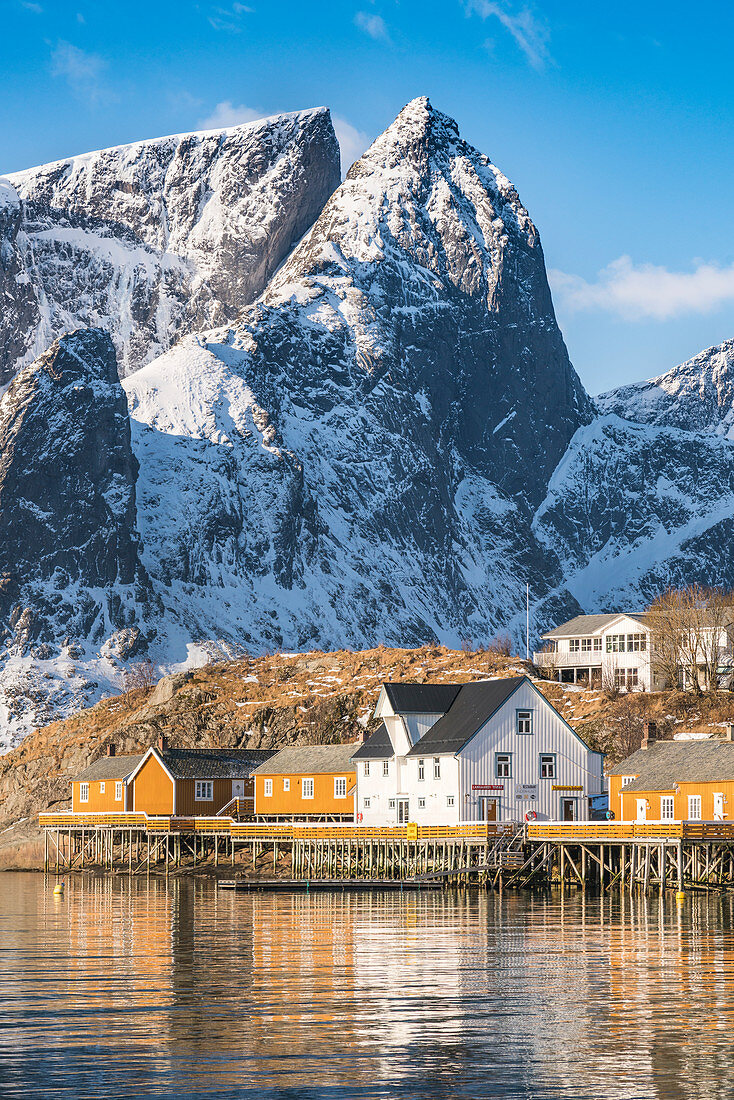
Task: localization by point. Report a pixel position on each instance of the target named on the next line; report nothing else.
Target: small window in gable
(524, 721)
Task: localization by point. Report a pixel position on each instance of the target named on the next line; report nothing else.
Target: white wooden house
(490, 750)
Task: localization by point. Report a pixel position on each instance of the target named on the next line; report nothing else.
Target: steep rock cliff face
(157, 238)
(697, 395)
(361, 454)
(70, 577)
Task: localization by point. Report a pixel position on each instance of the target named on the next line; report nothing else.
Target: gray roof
(109, 767)
(376, 747)
(213, 763)
(666, 763)
(590, 624)
(475, 703)
(304, 759)
(421, 698)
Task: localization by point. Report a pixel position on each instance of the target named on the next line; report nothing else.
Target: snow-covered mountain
(359, 458)
(157, 238)
(697, 395)
(383, 446)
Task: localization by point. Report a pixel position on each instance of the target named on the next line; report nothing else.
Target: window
(84, 792)
(391, 804)
(307, 788)
(597, 645)
(524, 721)
(101, 788)
(366, 803)
(204, 791)
(694, 807)
(286, 784)
(636, 643)
(615, 643)
(340, 787)
(449, 800)
(366, 767)
(118, 792)
(627, 779)
(268, 788)
(437, 767)
(421, 769)
(583, 645)
(667, 811)
(626, 678)
(503, 765)
(548, 766)
(385, 767)
(421, 803)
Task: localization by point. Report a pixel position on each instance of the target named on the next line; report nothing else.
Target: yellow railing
(110, 821)
(632, 830)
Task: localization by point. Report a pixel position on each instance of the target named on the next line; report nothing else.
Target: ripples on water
(141, 988)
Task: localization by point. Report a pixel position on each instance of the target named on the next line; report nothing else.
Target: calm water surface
(141, 988)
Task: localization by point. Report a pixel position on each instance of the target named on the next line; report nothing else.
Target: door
(402, 811)
(569, 809)
(642, 809)
(718, 806)
(489, 809)
(238, 788)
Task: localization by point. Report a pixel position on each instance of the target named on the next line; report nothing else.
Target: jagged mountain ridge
(353, 453)
(157, 238)
(697, 395)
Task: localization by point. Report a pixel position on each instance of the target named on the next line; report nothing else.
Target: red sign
(488, 786)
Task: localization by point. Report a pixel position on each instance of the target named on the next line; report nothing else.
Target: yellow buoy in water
(59, 888)
(680, 895)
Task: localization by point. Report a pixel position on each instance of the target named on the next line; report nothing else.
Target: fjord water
(136, 988)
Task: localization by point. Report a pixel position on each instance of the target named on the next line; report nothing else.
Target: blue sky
(614, 121)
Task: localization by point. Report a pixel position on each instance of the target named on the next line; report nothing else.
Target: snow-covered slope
(157, 238)
(697, 395)
(358, 459)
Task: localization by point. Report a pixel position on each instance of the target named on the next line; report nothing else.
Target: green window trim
(506, 762)
(545, 755)
(524, 711)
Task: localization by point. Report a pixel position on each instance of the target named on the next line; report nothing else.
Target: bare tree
(139, 676)
(689, 628)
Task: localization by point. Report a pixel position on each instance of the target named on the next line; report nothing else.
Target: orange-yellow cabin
(169, 782)
(675, 781)
(313, 781)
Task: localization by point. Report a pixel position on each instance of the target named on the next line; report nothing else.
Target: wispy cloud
(227, 113)
(29, 5)
(352, 142)
(229, 17)
(82, 71)
(530, 32)
(373, 25)
(639, 292)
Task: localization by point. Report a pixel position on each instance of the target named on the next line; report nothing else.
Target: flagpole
(527, 621)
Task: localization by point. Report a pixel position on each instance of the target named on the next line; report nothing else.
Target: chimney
(110, 750)
(649, 735)
(162, 742)
(729, 735)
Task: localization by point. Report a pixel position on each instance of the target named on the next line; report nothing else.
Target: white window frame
(391, 804)
(449, 800)
(101, 787)
(204, 790)
(267, 788)
(421, 803)
(366, 767)
(307, 788)
(340, 786)
(437, 767)
(524, 718)
(694, 807)
(626, 779)
(667, 807)
(118, 791)
(421, 770)
(366, 803)
(385, 767)
(286, 784)
(84, 792)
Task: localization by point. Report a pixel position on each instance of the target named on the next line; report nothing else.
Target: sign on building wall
(565, 787)
(488, 786)
(526, 792)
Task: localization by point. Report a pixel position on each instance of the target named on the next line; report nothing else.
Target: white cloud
(81, 70)
(227, 113)
(29, 5)
(639, 292)
(352, 142)
(229, 18)
(530, 33)
(373, 25)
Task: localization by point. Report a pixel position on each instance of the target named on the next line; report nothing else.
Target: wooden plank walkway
(255, 885)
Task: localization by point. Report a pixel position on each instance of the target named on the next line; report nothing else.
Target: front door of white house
(402, 811)
(642, 809)
(238, 788)
(718, 806)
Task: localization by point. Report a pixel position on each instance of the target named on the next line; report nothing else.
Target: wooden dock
(587, 855)
(307, 885)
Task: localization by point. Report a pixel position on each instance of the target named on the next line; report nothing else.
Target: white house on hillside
(616, 650)
(489, 750)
